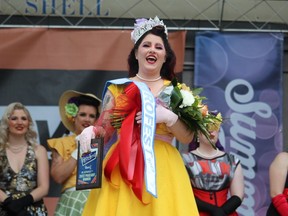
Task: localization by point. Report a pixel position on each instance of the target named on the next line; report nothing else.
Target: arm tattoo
(108, 101)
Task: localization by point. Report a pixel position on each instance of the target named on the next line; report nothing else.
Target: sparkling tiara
(143, 25)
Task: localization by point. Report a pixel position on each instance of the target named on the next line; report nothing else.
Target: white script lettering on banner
(241, 104)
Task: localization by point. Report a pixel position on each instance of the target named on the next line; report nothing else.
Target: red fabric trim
(281, 204)
(285, 192)
(217, 198)
(128, 153)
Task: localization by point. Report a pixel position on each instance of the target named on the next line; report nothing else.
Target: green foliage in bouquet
(189, 107)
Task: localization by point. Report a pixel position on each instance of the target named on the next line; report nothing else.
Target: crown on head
(143, 25)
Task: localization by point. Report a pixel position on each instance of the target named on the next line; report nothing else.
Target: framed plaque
(89, 166)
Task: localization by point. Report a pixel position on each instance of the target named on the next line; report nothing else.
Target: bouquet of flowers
(187, 104)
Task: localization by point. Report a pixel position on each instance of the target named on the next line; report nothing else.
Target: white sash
(147, 130)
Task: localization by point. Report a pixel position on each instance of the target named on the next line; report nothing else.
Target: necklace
(207, 156)
(148, 80)
(15, 149)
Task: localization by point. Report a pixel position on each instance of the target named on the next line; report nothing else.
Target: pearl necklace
(207, 156)
(15, 149)
(148, 80)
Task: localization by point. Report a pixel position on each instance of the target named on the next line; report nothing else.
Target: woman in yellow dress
(77, 110)
(143, 173)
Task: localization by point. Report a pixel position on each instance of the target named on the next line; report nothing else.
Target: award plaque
(89, 166)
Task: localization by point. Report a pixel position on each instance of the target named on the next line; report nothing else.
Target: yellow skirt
(175, 196)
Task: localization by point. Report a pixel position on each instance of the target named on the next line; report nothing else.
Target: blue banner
(241, 74)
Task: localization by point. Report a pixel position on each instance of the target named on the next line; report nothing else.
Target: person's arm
(42, 174)
(231, 204)
(179, 129)
(104, 120)
(277, 175)
(102, 127)
(61, 170)
(181, 132)
(237, 184)
(3, 196)
(236, 191)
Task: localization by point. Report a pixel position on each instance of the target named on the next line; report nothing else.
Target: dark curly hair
(86, 100)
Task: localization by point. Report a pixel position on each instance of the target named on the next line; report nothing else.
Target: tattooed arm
(102, 127)
(104, 119)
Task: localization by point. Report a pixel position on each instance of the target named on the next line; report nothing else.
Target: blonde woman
(24, 167)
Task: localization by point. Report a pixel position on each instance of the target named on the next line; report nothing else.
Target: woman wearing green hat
(78, 111)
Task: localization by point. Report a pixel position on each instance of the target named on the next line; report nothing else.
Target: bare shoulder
(282, 156)
(108, 101)
(40, 150)
(221, 153)
(281, 159)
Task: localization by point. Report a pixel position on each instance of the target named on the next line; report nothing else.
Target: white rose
(188, 98)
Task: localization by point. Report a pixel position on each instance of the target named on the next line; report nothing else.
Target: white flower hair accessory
(143, 25)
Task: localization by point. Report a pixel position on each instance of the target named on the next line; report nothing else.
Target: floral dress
(20, 184)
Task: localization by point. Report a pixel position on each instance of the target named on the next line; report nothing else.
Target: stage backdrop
(242, 78)
(38, 65)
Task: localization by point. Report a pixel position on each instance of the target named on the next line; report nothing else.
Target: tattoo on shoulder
(108, 100)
